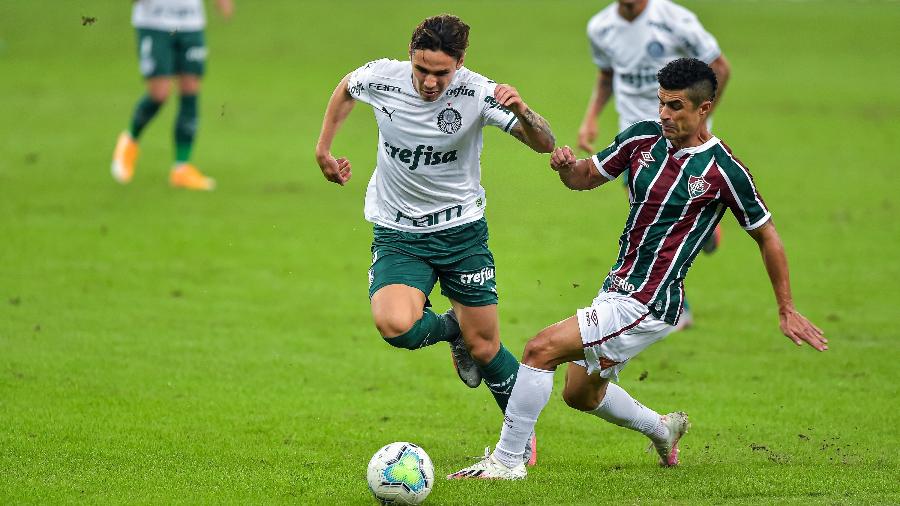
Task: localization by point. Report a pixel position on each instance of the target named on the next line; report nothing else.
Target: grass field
(158, 346)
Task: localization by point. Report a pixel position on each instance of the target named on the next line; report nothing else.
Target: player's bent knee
(393, 325)
(539, 353)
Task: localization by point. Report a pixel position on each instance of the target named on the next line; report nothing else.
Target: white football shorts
(614, 329)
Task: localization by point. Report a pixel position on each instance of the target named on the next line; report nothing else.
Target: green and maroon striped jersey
(677, 197)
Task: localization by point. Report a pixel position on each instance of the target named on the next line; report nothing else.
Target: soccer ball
(400, 473)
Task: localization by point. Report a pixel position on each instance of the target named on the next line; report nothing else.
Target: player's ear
(706, 107)
(459, 62)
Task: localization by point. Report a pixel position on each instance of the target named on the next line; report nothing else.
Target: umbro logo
(646, 159)
(390, 114)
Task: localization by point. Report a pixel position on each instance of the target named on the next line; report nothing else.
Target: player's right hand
(562, 159)
(586, 135)
(336, 170)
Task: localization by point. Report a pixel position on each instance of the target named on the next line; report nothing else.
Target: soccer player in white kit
(681, 181)
(425, 197)
(630, 41)
(171, 43)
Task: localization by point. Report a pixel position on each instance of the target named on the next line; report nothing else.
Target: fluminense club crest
(697, 186)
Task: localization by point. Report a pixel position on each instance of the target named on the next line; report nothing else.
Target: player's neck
(698, 138)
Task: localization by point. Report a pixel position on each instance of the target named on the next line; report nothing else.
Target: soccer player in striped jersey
(681, 182)
(630, 41)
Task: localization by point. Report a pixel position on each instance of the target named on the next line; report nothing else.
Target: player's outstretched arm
(793, 324)
(600, 96)
(575, 174)
(336, 170)
(532, 129)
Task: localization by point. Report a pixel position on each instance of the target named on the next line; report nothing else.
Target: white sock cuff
(535, 369)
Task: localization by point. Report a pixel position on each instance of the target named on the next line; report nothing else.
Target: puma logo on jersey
(426, 154)
(461, 90)
(390, 114)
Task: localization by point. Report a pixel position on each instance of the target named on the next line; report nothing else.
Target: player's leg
(398, 284)
(554, 345)
(190, 64)
(595, 395)
(614, 330)
(156, 65)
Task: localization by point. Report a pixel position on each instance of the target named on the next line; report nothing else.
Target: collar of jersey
(683, 152)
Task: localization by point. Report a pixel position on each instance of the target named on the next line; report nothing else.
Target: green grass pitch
(158, 346)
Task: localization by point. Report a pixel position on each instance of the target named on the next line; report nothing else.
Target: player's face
(630, 9)
(680, 118)
(432, 72)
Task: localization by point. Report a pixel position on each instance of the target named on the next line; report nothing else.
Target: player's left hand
(798, 329)
(509, 97)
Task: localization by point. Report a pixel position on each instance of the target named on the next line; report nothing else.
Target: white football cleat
(678, 425)
(489, 468)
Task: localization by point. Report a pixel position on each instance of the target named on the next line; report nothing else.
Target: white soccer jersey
(636, 50)
(169, 15)
(428, 171)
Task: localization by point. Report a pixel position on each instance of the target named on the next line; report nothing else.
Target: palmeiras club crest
(449, 120)
(697, 186)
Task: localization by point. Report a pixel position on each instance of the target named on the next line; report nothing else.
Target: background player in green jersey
(170, 43)
(681, 178)
(425, 197)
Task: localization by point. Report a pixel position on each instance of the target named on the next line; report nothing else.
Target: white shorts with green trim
(615, 328)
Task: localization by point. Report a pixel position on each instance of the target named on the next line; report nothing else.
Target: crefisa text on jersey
(461, 91)
(413, 156)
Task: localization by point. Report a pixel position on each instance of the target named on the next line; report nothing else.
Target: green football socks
(428, 330)
(144, 111)
(185, 128)
(500, 376)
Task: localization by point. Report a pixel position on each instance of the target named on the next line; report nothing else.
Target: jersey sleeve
(741, 196)
(494, 114)
(598, 54)
(358, 84)
(696, 41)
(616, 158)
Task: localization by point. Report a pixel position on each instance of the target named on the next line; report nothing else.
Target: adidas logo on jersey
(426, 154)
(462, 90)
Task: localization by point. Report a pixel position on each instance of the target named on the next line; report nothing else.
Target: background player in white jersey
(425, 197)
(681, 179)
(630, 41)
(170, 43)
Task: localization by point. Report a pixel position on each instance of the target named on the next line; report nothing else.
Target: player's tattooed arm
(538, 136)
(532, 129)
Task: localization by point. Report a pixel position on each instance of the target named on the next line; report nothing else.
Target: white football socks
(621, 409)
(529, 396)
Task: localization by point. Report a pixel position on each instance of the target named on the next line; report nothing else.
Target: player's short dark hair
(445, 32)
(692, 75)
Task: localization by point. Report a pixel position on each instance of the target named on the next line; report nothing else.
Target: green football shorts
(458, 256)
(165, 53)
